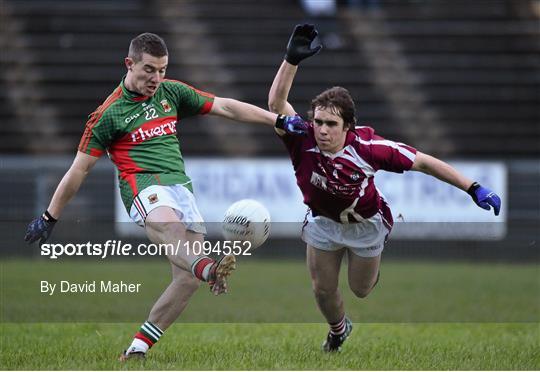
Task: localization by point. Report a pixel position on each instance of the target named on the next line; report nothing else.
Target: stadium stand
(478, 65)
(465, 84)
(75, 53)
(251, 38)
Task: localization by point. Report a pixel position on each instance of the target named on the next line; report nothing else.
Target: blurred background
(457, 79)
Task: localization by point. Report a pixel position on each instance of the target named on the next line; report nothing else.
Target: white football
(247, 220)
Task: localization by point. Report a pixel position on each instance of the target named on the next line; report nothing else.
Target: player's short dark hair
(147, 43)
(339, 99)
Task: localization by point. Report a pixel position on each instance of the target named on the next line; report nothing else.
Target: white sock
(137, 345)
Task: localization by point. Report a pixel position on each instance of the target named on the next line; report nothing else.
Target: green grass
(277, 292)
(421, 316)
(275, 346)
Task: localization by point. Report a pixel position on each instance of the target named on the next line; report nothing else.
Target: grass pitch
(421, 316)
(275, 346)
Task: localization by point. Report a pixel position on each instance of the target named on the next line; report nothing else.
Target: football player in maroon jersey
(335, 162)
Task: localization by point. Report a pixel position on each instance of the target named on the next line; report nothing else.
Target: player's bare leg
(184, 283)
(324, 269)
(164, 226)
(363, 273)
(174, 299)
(165, 311)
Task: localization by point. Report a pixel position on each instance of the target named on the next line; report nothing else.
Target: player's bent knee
(187, 281)
(185, 277)
(192, 284)
(361, 291)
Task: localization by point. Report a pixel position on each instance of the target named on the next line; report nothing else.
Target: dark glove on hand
(292, 124)
(485, 198)
(299, 46)
(41, 227)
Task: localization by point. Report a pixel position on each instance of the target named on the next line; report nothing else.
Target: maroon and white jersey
(341, 186)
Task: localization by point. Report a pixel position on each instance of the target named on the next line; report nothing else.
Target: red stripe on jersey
(96, 116)
(132, 182)
(127, 167)
(205, 109)
(95, 152)
(120, 149)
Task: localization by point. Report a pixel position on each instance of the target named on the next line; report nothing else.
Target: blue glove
(485, 198)
(292, 124)
(40, 228)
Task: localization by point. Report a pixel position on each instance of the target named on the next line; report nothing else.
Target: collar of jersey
(132, 96)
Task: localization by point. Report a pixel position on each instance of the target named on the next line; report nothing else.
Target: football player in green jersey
(136, 127)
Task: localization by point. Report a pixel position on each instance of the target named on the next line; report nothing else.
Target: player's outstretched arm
(482, 196)
(279, 91)
(244, 112)
(240, 111)
(298, 49)
(41, 227)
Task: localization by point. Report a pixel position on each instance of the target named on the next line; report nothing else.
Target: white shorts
(365, 239)
(176, 197)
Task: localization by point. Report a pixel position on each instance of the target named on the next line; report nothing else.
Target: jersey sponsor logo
(160, 130)
(130, 118)
(165, 105)
(318, 181)
(334, 186)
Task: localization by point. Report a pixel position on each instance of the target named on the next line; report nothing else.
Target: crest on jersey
(165, 105)
(153, 198)
(355, 176)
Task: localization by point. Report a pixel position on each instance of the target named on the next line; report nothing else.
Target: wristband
(47, 216)
(280, 122)
(473, 188)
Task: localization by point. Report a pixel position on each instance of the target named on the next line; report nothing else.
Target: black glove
(299, 46)
(41, 227)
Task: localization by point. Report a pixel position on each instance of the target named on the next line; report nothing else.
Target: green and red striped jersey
(139, 134)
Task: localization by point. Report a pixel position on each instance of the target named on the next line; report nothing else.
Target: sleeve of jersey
(191, 101)
(391, 156)
(97, 135)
